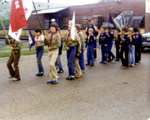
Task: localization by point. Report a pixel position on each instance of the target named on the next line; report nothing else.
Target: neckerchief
(50, 41)
(89, 38)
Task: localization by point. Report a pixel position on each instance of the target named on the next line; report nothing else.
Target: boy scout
(14, 58)
(118, 44)
(91, 46)
(103, 41)
(124, 48)
(53, 41)
(82, 40)
(71, 46)
(39, 47)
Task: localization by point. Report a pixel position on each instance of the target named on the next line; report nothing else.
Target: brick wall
(138, 6)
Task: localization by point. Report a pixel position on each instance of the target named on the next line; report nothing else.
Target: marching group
(127, 42)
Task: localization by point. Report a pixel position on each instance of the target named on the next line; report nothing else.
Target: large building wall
(138, 6)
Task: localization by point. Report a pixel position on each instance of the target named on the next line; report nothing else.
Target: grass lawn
(23, 52)
(25, 45)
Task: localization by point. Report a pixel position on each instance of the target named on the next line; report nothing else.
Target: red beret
(90, 20)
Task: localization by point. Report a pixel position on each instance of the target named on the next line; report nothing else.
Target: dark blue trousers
(70, 58)
(90, 54)
(81, 60)
(39, 54)
(110, 54)
(104, 51)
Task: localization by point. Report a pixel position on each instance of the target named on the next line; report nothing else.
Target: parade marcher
(82, 40)
(138, 43)
(53, 42)
(91, 46)
(118, 43)
(14, 58)
(77, 68)
(95, 32)
(39, 47)
(103, 41)
(125, 39)
(71, 46)
(131, 54)
(111, 56)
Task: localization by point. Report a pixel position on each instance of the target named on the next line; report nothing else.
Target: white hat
(53, 20)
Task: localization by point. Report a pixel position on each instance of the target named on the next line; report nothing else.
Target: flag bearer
(125, 39)
(131, 54)
(95, 32)
(111, 56)
(91, 46)
(39, 47)
(82, 40)
(103, 41)
(71, 46)
(14, 58)
(138, 43)
(118, 44)
(54, 42)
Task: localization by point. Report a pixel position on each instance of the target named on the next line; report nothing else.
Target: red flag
(17, 18)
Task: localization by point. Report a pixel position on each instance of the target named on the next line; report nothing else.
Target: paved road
(106, 92)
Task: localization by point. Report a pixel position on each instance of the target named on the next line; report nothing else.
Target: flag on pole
(73, 30)
(31, 39)
(147, 6)
(20, 12)
(120, 21)
(111, 19)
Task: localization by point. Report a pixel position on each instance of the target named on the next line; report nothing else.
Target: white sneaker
(15, 79)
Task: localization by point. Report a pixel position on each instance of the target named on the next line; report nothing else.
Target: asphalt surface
(106, 92)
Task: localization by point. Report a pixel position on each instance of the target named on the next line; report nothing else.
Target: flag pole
(38, 17)
(5, 35)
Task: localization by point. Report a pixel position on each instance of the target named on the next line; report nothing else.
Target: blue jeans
(70, 58)
(81, 60)
(104, 51)
(110, 54)
(131, 55)
(59, 63)
(39, 54)
(90, 54)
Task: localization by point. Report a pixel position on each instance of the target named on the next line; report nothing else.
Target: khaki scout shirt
(56, 41)
(70, 43)
(39, 40)
(82, 40)
(15, 44)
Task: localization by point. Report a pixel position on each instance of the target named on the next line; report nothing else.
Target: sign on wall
(147, 6)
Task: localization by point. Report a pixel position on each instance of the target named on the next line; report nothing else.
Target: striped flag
(120, 21)
(31, 40)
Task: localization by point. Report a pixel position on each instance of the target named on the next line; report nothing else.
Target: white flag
(28, 7)
(73, 30)
(147, 6)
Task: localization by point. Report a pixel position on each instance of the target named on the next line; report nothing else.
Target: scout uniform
(124, 50)
(78, 72)
(138, 43)
(14, 58)
(110, 44)
(53, 41)
(81, 60)
(118, 43)
(71, 53)
(39, 46)
(91, 45)
(95, 34)
(103, 41)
